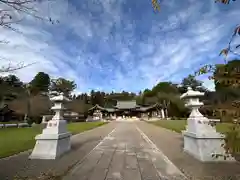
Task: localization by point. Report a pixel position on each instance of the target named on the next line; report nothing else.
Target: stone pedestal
(55, 139)
(201, 140)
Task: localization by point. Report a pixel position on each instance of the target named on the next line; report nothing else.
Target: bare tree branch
(15, 7)
(9, 15)
(4, 41)
(12, 68)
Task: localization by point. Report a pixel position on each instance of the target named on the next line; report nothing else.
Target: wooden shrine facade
(128, 109)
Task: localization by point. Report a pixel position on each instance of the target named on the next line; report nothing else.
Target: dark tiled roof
(102, 108)
(126, 105)
(96, 107)
(110, 109)
(150, 107)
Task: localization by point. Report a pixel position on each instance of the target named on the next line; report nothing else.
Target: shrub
(226, 119)
(37, 119)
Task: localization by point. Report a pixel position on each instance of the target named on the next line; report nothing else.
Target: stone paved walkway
(126, 153)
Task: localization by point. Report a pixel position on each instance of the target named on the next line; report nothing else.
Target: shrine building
(129, 109)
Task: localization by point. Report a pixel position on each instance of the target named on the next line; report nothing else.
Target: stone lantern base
(202, 141)
(203, 147)
(53, 142)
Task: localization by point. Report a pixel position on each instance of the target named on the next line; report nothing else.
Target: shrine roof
(96, 107)
(101, 108)
(127, 105)
(150, 107)
(110, 109)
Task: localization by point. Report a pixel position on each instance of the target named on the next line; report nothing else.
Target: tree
(10, 87)
(147, 92)
(226, 79)
(167, 100)
(192, 82)
(40, 83)
(227, 75)
(40, 106)
(62, 85)
(78, 106)
(98, 98)
(166, 87)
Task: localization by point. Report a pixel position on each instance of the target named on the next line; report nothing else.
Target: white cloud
(101, 46)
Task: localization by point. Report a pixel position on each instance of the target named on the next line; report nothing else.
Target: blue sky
(115, 45)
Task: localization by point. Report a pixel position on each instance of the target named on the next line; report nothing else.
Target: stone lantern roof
(191, 93)
(60, 98)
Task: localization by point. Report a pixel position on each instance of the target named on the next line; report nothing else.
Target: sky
(116, 45)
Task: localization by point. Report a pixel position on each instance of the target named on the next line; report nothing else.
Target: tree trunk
(166, 104)
(166, 112)
(2, 102)
(25, 117)
(27, 114)
(1, 106)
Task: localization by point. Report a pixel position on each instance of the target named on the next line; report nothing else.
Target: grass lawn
(179, 125)
(12, 122)
(15, 140)
(76, 128)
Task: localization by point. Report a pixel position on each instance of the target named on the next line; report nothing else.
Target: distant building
(128, 108)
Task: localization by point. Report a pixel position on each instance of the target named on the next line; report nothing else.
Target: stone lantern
(201, 140)
(55, 139)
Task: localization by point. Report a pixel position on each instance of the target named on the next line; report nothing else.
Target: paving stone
(106, 159)
(131, 162)
(143, 155)
(116, 166)
(131, 174)
(98, 174)
(114, 175)
(147, 170)
(124, 155)
(85, 168)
